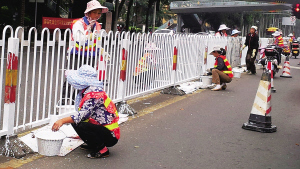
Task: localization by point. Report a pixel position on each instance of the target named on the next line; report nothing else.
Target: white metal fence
(129, 65)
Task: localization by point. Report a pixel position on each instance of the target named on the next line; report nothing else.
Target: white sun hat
(254, 27)
(223, 27)
(277, 33)
(291, 35)
(235, 31)
(94, 4)
(216, 48)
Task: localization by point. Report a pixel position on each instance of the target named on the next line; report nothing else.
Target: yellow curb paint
(143, 97)
(15, 163)
(162, 105)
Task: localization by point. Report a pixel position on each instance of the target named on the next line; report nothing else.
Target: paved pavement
(202, 130)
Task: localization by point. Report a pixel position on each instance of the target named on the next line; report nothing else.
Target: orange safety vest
(227, 64)
(279, 41)
(87, 47)
(110, 107)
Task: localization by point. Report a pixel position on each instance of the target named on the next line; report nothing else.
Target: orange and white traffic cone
(286, 69)
(260, 119)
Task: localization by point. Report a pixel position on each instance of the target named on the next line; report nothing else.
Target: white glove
(253, 53)
(243, 47)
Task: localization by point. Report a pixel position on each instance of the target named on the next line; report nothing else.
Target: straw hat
(277, 33)
(84, 77)
(223, 27)
(94, 4)
(291, 35)
(215, 49)
(235, 31)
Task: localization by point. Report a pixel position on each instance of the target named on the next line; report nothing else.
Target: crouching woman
(222, 71)
(96, 121)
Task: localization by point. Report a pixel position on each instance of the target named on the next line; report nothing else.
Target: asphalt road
(203, 130)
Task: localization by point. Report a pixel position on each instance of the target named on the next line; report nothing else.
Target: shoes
(98, 154)
(213, 85)
(224, 86)
(217, 88)
(85, 147)
(248, 72)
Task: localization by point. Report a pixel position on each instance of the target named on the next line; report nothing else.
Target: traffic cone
(260, 119)
(286, 69)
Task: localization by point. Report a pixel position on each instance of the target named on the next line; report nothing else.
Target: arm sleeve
(221, 64)
(85, 112)
(78, 32)
(256, 45)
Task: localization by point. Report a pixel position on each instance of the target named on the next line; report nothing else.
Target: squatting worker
(252, 43)
(222, 71)
(96, 121)
(83, 30)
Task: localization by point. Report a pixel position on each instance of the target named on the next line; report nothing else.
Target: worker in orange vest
(83, 30)
(279, 42)
(222, 71)
(96, 121)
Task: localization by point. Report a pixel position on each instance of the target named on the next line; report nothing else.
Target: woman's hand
(57, 125)
(60, 122)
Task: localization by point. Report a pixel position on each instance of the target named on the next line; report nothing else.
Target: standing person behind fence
(222, 31)
(222, 71)
(252, 41)
(96, 121)
(235, 33)
(82, 31)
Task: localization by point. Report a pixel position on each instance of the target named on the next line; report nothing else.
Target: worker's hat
(235, 31)
(291, 35)
(223, 27)
(94, 4)
(277, 33)
(216, 49)
(254, 27)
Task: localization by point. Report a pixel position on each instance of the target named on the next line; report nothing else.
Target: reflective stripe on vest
(280, 41)
(110, 107)
(227, 64)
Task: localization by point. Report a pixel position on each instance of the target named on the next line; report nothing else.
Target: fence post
(11, 78)
(123, 107)
(174, 68)
(173, 89)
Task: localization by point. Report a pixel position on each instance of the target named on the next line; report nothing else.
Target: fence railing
(130, 65)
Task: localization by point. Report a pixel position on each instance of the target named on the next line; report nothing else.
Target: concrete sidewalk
(202, 130)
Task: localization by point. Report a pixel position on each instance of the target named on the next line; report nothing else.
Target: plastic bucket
(206, 80)
(49, 142)
(237, 74)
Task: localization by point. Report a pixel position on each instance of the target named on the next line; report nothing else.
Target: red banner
(53, 23)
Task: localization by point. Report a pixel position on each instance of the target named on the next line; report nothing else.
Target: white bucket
(206, 80)
(237, 74)
(49, 142)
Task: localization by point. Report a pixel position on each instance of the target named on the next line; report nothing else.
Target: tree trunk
(128, 14)
(150, 3)
(115, 17)
(22, 13)
(57, 8)
(120, 7)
